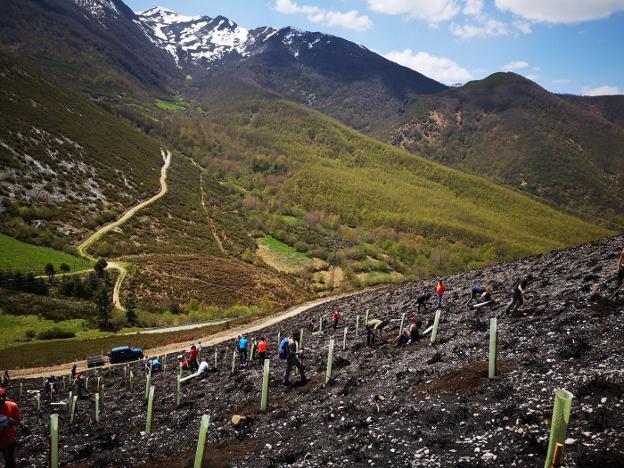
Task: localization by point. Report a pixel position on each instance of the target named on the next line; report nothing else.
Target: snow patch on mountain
(207, 41)
(200, 39)
(98, 9)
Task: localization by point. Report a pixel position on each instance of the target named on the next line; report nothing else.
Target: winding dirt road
(121, 267)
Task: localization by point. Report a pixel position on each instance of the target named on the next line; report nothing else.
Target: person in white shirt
(203, 369)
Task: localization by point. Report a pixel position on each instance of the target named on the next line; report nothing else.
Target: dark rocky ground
(411, 406)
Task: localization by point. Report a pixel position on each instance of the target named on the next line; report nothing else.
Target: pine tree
(50, 271)
(104, 303)
(131, 312)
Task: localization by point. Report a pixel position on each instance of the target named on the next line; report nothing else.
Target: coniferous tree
(131, 307)
(104, 303)
(50, 271)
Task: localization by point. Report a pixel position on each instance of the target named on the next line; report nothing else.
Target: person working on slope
(410, 335)
(474, 292)
(243, 344)
(9, 419)
(620, 270)
(194, 354)
(336, 318)
(262, 349)
(484, 298)
(422, 301)
(440, 289)
(289, 350)
(372, 326)
(517, 295)
(203, 369)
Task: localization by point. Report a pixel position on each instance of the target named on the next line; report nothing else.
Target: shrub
(55, 333)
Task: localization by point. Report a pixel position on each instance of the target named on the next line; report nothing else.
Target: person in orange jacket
(9, 419)
(262, 349)
(440, 289)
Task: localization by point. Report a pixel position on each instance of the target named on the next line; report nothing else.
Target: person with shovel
(517, 294)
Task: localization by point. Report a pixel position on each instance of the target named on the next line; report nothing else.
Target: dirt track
(121, 266)
(209, 340)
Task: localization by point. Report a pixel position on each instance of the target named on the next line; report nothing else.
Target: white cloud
(432, 11)
(532, 77)
(515, 66)
(348, 20)
(485, 27)
(473, 7)
(605, 90)
(561, 81)
(561, 11)
(522, 26)
(439, 68)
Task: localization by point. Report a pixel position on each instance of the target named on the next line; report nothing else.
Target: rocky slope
(419, 405)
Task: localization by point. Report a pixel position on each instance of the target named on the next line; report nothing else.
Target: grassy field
(20, 256)
(60, 351)
(174, 106)
(282, 256)
(26, 328)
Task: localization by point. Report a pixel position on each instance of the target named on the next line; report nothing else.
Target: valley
(168, 179)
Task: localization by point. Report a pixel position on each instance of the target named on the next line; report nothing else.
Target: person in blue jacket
(243, 344)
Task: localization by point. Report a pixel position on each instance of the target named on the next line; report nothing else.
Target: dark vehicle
(95, 361)
(125, 353)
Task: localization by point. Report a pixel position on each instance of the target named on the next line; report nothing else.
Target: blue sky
(569, 46)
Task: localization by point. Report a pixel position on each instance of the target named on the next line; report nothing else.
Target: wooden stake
(557, 455)
(264, 401)
(201, 442)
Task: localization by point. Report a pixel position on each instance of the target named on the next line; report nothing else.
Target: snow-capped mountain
(199, 39)
(208, 41)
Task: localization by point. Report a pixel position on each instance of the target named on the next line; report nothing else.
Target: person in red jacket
(9, 418)
(336, 317)
(262, 349)
(440, 289)
(194, 365)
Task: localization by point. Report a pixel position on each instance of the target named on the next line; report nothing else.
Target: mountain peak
(165, 16)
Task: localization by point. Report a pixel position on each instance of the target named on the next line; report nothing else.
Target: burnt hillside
(418, 405)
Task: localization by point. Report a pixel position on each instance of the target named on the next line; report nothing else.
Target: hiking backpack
(283, 349)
